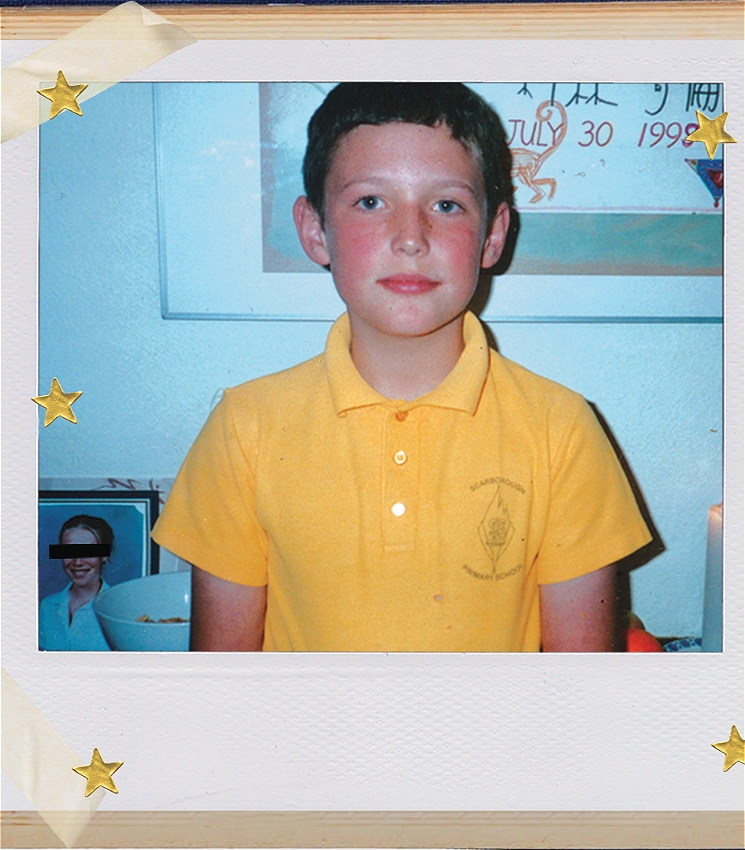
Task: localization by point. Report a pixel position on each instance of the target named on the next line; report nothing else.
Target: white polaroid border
(382, 732)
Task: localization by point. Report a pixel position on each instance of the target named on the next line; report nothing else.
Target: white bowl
(159, 596)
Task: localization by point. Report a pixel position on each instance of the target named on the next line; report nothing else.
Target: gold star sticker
(63, 96)
(57, 403)
(734, 749)
(98, 773)
(711, 132)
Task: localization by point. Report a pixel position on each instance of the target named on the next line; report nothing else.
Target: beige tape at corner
(101, 53)
(40, 763)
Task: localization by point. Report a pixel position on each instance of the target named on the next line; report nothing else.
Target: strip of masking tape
(101, 53)
(40, 762)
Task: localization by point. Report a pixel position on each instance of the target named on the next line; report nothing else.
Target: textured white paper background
(382, 732)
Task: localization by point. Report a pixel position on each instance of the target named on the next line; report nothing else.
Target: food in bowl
(145, 619)
(165, 599)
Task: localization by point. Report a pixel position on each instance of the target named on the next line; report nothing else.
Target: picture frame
(517, 753)
(131, 516)
(615, 236)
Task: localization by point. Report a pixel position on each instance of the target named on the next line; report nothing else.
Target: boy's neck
(400, 367)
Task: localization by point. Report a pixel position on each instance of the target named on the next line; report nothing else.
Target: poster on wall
(608, 186)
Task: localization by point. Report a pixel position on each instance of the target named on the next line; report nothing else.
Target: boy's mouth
(412, 284)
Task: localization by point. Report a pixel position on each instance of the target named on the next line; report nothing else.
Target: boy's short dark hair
(468, 116)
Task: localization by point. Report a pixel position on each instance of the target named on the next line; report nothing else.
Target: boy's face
(405, 229)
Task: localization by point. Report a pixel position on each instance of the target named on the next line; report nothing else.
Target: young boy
(408, 489)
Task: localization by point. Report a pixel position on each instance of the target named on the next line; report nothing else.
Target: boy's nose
(411, 235)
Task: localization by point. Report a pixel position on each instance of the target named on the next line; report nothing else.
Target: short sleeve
(593, 517)
(210, 515)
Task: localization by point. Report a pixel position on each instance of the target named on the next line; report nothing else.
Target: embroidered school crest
(496, 529)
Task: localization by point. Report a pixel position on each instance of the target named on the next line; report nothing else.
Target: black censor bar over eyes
(80, 550)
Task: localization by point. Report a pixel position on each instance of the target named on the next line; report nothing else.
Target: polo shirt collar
(104, 586)
(461, 389)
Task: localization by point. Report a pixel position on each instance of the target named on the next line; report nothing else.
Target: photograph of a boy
(409, 489)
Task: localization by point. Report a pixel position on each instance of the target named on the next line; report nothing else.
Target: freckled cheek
(463, 250)
(354, 249)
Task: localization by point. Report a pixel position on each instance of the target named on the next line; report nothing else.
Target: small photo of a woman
(89, 541)
(66, 619)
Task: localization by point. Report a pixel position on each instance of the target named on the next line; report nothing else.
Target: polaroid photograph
(158, 265)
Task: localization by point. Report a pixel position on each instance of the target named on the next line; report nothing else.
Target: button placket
(400, 479)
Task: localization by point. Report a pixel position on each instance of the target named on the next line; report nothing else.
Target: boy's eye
(447, 206)
(369, 202)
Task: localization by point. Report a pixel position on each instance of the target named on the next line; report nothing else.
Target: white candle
(711, 639)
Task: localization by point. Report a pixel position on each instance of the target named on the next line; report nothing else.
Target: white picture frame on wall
(630, 218)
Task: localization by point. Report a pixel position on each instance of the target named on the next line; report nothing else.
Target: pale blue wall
(148, 383)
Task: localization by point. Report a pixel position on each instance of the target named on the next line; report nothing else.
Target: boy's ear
(496, 237)
(310, 231)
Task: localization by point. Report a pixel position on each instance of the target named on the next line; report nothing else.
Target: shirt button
(401, 415)
(400, 457)
(399, 509)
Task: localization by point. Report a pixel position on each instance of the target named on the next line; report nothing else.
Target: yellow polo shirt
(388, 525)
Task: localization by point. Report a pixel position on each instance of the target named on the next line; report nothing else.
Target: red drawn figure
(526, 163)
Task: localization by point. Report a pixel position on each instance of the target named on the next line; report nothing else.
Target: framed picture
(130, 516)
(374, 749)
(598, 241)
